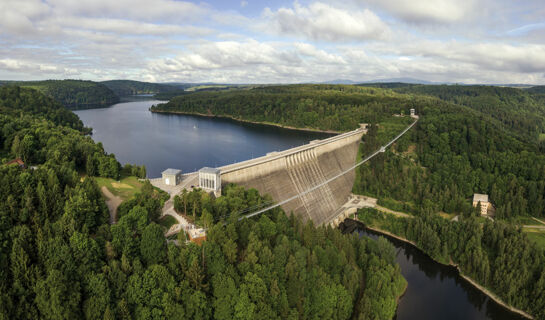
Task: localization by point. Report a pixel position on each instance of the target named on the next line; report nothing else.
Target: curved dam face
(288, 173)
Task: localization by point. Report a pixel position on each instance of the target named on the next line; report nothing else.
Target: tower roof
(171, 171)
(478, 197)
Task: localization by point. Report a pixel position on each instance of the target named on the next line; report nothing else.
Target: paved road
(112, 202)
(540, 227)
(397, 213)
(168, 209)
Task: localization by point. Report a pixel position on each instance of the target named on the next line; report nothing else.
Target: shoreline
(246, 121)
(474, 283)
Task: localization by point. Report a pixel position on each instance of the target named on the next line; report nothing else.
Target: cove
(436, 291)
(159, 141)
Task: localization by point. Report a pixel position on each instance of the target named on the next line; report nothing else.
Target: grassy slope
(126, 188)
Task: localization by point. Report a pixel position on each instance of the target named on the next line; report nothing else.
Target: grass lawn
(447, 216)
(538, 236)
(126, 188)
(167, 221)
(525, 221)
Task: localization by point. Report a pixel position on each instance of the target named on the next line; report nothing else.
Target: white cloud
(320, 21)
(34, 68)
(526, 58)
(426, 11)
(168, 40)
(319, 56)
(141, 10)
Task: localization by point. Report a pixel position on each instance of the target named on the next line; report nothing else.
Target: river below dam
(160, 141)
(436, 291)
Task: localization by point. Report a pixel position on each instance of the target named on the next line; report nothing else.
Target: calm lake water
(160, 141)
(437, 292)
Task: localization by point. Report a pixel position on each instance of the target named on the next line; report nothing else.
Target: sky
(225, 41)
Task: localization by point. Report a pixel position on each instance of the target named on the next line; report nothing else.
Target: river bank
(468, 279)
(246, 121)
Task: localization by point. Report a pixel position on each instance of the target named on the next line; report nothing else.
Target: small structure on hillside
(172, 177)
(483, 200)
(197, 235)
(210, 180)
(18, 162)
(413, 113)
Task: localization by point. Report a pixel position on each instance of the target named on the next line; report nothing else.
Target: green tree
(153, 244)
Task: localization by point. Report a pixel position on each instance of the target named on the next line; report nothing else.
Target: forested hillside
(497, 255)
(60, 259)
(16, 101)
(517, 109)
(129, 87)
(454, 153)
(73, 93)
(325, 107)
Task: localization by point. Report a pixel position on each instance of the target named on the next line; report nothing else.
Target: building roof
(209, 170)
(17, 161)
(172, 171)
(477, 197)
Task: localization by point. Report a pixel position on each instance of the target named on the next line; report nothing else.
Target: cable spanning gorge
(313, 180)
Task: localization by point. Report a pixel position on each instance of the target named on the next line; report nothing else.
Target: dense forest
(497, 255)
(72, 94)
(455, 152)
(192, 88)
(61, 259)
(130, 87)
(518, 110)
(325, 107)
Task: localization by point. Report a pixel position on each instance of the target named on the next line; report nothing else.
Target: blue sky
(469, 41)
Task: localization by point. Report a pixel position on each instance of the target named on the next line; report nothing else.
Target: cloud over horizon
(282, 42)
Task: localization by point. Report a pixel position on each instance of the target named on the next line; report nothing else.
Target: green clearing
(537, 236)
(448, 216)
(524, 220)
(395, 205)
(167, 221)
(125, 188)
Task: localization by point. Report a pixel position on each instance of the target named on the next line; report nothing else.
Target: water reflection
(160, 141)
(436, 291)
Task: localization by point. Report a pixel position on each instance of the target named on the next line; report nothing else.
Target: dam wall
(287, 173)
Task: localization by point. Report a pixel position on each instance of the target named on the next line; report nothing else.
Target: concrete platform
(188, 180)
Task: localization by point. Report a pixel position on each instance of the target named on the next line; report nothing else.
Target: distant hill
(72, 94)
(377, 81)
(402, 80)
(536, 89)
(130, 87)
(202, 87)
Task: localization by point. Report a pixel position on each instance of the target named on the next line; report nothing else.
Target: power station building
(172, 177)
(210, 180)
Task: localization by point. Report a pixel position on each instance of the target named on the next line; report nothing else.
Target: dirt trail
(113, 202)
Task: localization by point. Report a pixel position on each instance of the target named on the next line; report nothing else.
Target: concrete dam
(288, 173)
